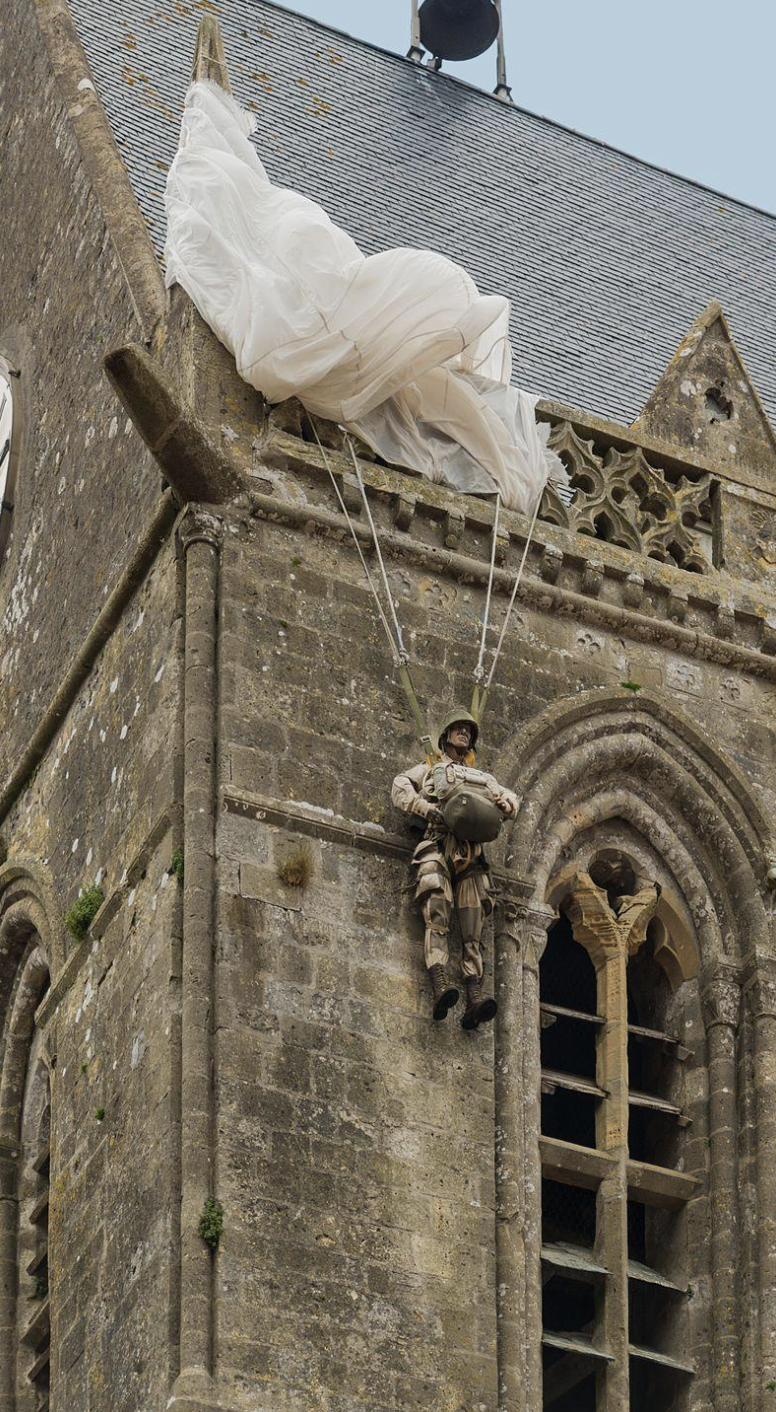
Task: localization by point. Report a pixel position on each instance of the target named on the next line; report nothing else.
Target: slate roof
(606, 259)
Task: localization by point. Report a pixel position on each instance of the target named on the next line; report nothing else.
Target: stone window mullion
(610, 938)
(607, 948)
(612, 1137)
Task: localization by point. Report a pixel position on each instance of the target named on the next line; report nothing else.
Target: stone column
(533, 943)
(760, 987)
(9, 1218)
(721, 1008)
(200, 540)
(610, 937)
(520, 938)
(510, 1182)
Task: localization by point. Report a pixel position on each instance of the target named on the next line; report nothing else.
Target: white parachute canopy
(400, 347)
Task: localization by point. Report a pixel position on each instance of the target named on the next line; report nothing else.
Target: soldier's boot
(479, 1009)
(445, 996)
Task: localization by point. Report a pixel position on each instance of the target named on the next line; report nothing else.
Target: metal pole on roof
(502, 89)
(415, 52)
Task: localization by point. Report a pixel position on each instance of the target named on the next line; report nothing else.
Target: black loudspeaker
(458, 29)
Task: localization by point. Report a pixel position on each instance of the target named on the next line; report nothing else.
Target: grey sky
(687, 84)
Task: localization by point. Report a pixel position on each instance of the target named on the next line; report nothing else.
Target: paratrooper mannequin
(462, 807)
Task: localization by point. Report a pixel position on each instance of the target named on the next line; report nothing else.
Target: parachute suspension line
(481, 693)
(479, 670)
(403, 654)
(395, 653)
(399, 654)
(478, 695)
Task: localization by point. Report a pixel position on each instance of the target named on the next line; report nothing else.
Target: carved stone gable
(705, 402)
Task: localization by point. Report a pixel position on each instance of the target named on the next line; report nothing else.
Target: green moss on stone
(83, 912)
(211, 1222)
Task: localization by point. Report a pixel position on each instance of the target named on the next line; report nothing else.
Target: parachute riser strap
(403, 662)
(479, 698)
(414, 705)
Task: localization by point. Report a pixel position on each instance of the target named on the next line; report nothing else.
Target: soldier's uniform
(448, 871)
(460, 804)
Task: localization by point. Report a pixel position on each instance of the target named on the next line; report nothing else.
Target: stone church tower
(574, 1208)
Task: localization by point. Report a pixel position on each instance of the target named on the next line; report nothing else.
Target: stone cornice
(316, 823)
(710, 617)
(366, 837)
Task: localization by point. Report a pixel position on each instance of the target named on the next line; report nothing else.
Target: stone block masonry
(192, 693)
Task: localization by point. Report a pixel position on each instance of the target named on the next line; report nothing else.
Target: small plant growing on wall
(83, 912)
(176, 865)
(211, 1222)
(296, 870)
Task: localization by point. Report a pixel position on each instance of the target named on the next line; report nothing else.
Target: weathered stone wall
(356, 1139)
(311, 709)
(102, 807)
(85, 487)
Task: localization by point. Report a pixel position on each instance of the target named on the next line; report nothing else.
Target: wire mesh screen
(567, 975)
(568, 1213)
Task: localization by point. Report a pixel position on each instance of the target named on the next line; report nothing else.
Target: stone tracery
(623, 499)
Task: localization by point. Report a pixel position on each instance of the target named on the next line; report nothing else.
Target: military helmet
(458, 714)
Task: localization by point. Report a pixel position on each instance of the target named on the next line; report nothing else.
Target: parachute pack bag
(465, 803)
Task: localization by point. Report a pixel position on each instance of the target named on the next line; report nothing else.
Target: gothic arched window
(25, 1129)
(614, 1247)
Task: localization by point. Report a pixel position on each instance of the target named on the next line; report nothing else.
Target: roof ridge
(525, 112)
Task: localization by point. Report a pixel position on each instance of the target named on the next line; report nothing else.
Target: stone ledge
(559, 598)
(314, 822)
(186, 1403)
(333, 828)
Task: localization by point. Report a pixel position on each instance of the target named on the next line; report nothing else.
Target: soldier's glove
(427, 809)
(505, 803)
